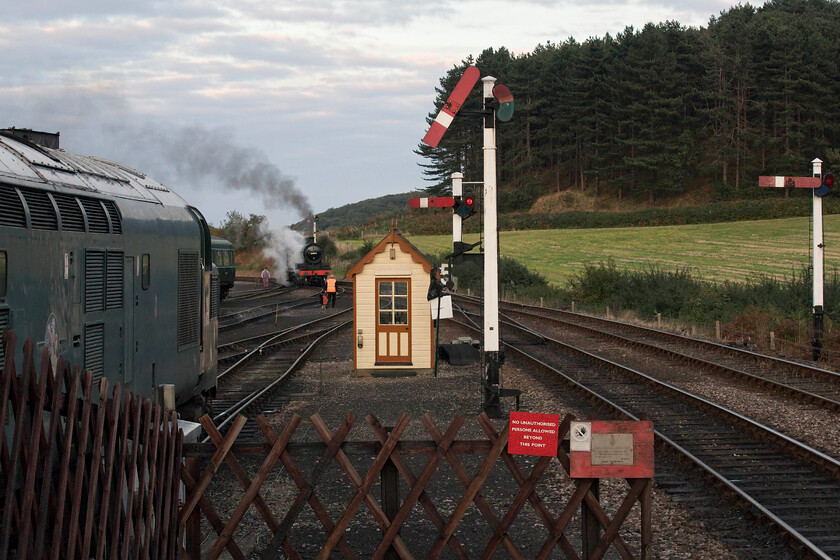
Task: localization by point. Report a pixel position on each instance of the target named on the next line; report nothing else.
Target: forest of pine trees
(659, 110)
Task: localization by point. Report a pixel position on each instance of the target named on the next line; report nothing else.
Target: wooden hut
(392, 323)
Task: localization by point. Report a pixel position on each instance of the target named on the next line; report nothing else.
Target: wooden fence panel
(466, 497)
(86, 471)
(90, 471)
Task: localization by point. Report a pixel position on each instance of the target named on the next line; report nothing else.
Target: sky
(271, 108)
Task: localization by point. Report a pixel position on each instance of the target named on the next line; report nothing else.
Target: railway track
(802, 381)
(247, 315)
(787, 482)
(257, 292)
(252, 382)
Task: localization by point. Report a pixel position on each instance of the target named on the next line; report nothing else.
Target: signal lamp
(826, 186)
(505, 98)
(465, 207)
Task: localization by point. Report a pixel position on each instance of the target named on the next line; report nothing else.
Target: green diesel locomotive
(107, 268)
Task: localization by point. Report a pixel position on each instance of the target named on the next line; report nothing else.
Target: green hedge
(741, 210)
(439, 221)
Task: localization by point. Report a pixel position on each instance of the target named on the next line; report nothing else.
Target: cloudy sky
(275, 107)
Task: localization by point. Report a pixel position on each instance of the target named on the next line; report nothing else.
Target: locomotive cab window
(145, 271)
(2, 275)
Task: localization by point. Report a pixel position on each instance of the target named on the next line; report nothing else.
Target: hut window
(393, 302)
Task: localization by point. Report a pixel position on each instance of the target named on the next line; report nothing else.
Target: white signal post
(491, 260)
(817, 183)
(819, 264)
(457, 190)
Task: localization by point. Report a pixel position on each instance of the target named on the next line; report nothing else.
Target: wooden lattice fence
(85, 472)
(455, 501)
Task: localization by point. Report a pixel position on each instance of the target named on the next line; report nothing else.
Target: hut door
(393, 321)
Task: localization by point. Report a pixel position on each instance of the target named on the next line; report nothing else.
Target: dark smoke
(195, 155)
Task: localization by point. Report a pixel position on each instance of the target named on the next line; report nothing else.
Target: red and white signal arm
(780, 181)
(438, 202)
(601, 449)
(452, 106)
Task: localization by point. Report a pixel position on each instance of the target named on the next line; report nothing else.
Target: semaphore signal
(452, 106)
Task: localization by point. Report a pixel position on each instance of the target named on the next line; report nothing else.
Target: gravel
(702, 525)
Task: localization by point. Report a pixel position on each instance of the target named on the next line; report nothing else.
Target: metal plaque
(612, 449)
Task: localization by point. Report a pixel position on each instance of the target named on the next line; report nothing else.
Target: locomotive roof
(31, 164)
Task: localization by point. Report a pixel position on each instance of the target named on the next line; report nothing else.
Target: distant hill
(361, 213)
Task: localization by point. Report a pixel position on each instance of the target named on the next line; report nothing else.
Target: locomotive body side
(109, 270)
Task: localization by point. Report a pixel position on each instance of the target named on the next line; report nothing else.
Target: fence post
(646, 551)
(608, 312)
(717, 330)
(573, 306)
(659, 320)
(590, 533)
(772, 340)
(390, 482)
(541, 301)
(192, 532)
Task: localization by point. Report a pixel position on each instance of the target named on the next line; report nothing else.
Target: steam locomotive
(107, 268)
(312, 270)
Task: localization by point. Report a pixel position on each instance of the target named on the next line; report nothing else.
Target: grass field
(733, 251)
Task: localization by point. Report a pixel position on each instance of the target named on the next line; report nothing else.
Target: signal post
(821, 185)
(492, 357)
(498, 104)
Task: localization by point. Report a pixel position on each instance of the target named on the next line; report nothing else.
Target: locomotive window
(2, 274)
(145, 271)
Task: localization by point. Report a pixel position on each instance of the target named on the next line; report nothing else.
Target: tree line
(658, 110)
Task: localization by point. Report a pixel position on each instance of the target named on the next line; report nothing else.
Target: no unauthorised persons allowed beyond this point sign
(532, 433)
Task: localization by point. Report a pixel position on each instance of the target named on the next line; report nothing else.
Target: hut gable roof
(394, 236)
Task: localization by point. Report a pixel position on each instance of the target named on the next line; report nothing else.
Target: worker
(265, 275)
(331, 290)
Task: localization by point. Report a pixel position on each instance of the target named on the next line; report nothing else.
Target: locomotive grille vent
(95, 350)
(43, 213)
(114, 214)
(4, 326)
(189, 292)
(72, 218)
(41, 209)
(214, 297)
(115, 270)
(13, 214)
(97, 220)
(94, 280)
(104, 274)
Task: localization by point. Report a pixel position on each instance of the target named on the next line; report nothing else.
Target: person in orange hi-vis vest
(331, 290)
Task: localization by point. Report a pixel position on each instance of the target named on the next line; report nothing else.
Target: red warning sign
(532, 433)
